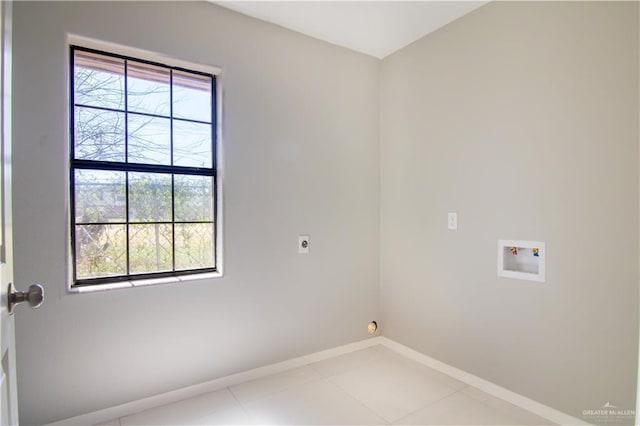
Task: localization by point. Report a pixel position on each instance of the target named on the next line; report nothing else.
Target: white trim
(146, 55)
(133, 407)
(219, 204)
(143, 283)
(528, 404)
(637, 420)
(212, 385)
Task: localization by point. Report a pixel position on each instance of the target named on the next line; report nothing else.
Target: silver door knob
(34, 297)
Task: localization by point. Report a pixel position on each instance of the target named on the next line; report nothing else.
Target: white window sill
(143, 283)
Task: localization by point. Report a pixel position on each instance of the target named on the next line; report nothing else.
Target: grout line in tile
(430, 404)
(233, 394)
(316, 370)
(326, 376)
(284, 389)
(499, 407)
(359, 400)
(353, 397)
(401, 356)
(240, 404)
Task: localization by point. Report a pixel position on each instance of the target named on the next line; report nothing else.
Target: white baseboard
(257, 373)
(133, 407)
(528, 404)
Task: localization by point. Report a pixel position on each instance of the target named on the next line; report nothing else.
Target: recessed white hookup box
(523, 260)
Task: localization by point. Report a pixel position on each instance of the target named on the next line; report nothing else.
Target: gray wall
(301, 156)
(523, 117)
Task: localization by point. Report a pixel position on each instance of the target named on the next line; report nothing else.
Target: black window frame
(81, 164)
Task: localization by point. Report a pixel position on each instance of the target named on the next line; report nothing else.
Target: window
(143, 169)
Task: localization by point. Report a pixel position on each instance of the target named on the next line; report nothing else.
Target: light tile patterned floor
(373, 386)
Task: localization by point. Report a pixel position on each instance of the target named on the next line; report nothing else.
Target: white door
(9, 407)
(8, 297)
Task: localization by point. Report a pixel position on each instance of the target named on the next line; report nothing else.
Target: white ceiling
(377, 28)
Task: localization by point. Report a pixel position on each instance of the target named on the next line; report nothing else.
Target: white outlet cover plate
(301, 240)
(452, 220)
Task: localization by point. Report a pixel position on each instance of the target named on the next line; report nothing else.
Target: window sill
(143, 283)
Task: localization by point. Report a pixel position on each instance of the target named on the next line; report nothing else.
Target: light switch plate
(452, 221)
(303, 244)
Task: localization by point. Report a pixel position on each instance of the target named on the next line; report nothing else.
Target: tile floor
(373, 386)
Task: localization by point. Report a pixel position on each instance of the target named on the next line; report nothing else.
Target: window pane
(149, 140)
(192, 144)
(98, 80)
(157, 121)
(99, 196)
(148, 88)
(99, 135)
(149, 197)
(100, 250)
(150, 248)
(191, 96)
(193, 198)
(194, 245)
